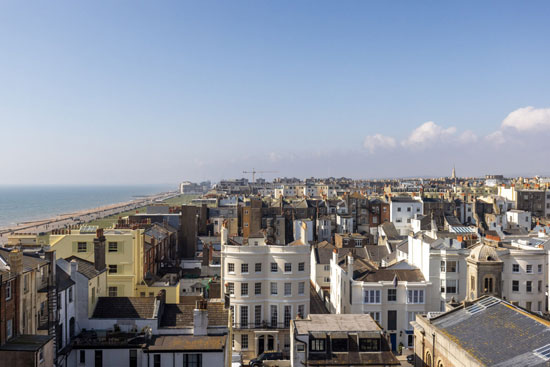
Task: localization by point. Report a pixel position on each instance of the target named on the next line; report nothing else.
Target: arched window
(428, 359)
(488, 284)
(439, 363)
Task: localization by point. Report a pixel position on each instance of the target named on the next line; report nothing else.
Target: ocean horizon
(23, 203)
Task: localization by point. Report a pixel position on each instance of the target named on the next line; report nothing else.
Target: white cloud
(467, 136)
(428, 132)
(527, 119)
(274, 157)
(496, 138)
(379, 141)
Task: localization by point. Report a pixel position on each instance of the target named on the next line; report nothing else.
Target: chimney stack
(205, 254)
(200, 318)
(16, 262)
(303, 233)
(74, 269)
(224, 233)
(99, 250)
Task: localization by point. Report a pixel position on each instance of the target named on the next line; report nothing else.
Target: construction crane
(254, 173)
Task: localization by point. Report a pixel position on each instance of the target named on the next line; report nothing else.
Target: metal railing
(261, 325)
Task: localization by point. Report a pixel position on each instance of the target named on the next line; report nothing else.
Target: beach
(65, 220)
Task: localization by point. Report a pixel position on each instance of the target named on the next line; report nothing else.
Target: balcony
(262, 325)
(107, 338)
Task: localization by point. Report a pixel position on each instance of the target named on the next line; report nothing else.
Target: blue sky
(157, 92)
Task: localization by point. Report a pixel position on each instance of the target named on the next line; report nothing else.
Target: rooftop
(181, 315)
(334, 323)
(62, 279)
(497, 333)
(125, 308)
(27, 342)
(85, 267)
(188, 343)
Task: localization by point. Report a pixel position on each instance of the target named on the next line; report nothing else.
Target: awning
(369, 334)
(318, 334)
(338, 335)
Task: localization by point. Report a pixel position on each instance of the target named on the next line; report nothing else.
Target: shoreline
(81, 216)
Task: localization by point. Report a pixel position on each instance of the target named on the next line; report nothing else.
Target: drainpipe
(305, 347)
(423, 346)
(433, 349)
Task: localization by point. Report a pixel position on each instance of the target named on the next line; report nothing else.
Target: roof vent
(482, 305)
(543, 352)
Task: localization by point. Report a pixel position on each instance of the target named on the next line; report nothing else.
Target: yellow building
(124, 260)
(123, 254)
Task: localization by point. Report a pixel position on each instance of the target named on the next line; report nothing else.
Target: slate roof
(85, 267)
(376, 253)
(124, 308)
(323, 255)
(500, 335)
(404, 199)
(188, 343)
(316, 304)
(404, 246)
(62, 279)
(390, 231)
(181, 315)
(29, 262)
(353, 359)
(366, 271)
(453, 221)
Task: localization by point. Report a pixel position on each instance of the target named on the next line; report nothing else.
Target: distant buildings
(391, 259)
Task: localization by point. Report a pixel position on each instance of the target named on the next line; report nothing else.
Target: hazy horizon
(116, 93)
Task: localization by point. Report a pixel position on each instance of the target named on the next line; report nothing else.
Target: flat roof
(29, 343)
(334, 323)
(188, 343)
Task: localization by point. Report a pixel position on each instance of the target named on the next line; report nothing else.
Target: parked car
(265, 356)
(410, 358)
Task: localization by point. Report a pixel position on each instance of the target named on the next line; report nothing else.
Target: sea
(24, 203)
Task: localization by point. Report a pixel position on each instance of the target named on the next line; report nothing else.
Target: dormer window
(369, 345)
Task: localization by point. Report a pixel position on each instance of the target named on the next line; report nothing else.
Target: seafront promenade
(80, 217)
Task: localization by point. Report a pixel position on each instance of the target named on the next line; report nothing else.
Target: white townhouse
(297, 229)
(443, 263)
(519, 218)
(268, 286)
(320, 257)
(393, 296)
(66, 328)
(523, 277)
(324, 228)
(525, 273)
(402, 211)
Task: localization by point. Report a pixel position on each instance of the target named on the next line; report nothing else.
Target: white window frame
(372, 296)
(288, 289)
(415, 296)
